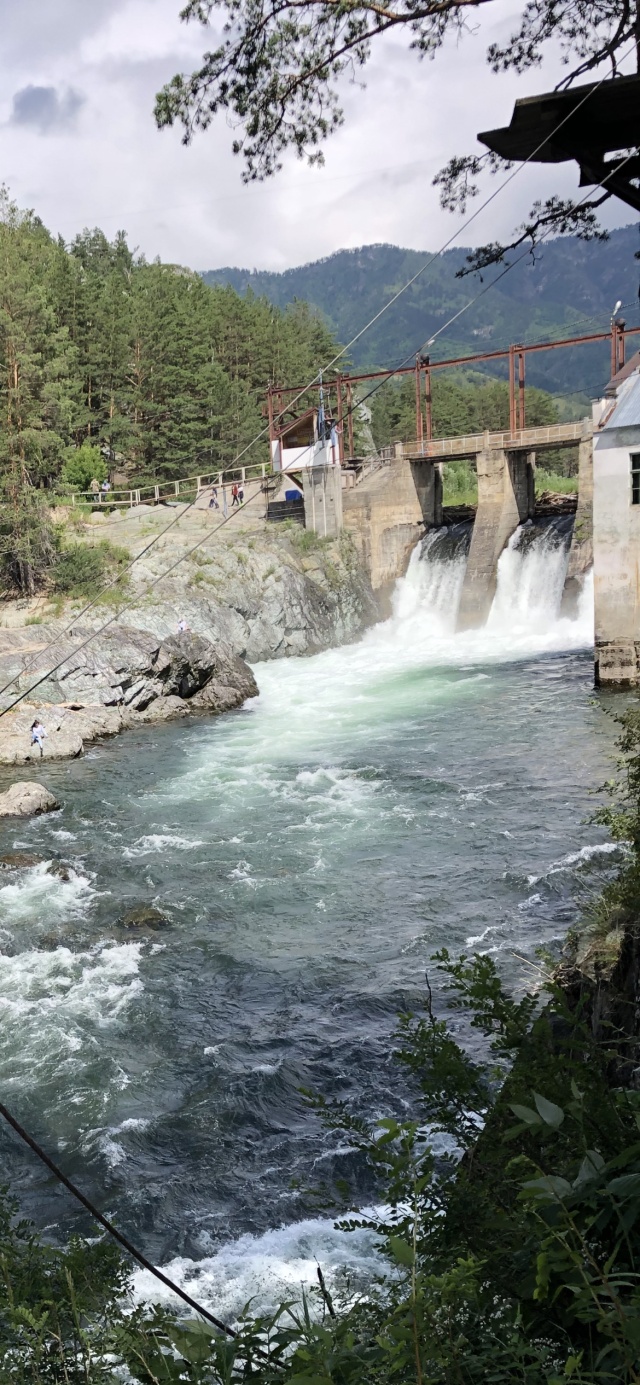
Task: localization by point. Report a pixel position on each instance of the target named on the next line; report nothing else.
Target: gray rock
(62, 869)
(20, 860)
(144, 916)
(27, 800)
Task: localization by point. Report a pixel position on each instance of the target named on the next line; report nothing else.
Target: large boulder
(124, 669)
(27, 799)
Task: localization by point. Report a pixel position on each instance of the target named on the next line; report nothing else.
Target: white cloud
(110, 166)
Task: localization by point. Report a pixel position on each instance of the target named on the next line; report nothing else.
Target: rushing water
(413, 790)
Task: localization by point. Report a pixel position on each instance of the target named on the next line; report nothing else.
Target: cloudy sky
(79, 143)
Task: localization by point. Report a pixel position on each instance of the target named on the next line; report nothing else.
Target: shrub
(82, 570)
(83, 465)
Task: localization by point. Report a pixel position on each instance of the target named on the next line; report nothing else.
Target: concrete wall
(386, 515)
(581, 551)
(323, 500)
(616, 558)
(506, 496)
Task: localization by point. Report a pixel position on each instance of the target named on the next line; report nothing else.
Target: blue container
(293, 495)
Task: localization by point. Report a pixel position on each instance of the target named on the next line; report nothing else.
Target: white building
(616, 529)
(298, 445)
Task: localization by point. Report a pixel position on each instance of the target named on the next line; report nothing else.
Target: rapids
(376, 802)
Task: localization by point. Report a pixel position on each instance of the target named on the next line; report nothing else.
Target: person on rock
(182, 626)
(38, 734)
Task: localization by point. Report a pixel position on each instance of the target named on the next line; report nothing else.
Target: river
(376, 802)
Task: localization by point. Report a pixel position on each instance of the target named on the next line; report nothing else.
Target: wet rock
(62, 869)
(27, 799)
(20, 860)
(144, 916)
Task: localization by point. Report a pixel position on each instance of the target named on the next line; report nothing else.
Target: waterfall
(531, 576)
(434, 578)
(525, 617)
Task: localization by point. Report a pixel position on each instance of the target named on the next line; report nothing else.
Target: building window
(635, 478)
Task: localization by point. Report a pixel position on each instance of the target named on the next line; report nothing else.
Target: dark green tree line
(142, 367)
(161, 372)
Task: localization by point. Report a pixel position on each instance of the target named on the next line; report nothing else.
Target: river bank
(256, 595)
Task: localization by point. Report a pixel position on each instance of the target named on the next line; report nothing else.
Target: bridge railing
(167, 491)
(551, 435)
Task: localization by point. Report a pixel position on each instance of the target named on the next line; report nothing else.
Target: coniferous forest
(160, 372)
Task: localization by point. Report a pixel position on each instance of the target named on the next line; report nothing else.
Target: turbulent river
(414, 790)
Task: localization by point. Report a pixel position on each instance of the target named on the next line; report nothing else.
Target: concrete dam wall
(398, 502)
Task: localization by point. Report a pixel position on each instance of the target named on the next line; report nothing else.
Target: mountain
(570, 287)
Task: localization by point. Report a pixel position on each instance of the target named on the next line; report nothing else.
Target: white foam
(577, 858)
(107, 1140)
(268, 1269)
(39, 895)
(157, 841)
(51, 1004)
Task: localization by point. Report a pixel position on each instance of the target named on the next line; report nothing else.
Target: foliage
(277, 68)
(555, 481)
(512, 1256)
(105, 359)
(27, 537)
(84, 464)
(81, 570)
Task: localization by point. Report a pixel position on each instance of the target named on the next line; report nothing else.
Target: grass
(551, 481)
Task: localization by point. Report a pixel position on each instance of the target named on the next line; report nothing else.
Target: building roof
(623, 374)
(626, 413)
(561, 125)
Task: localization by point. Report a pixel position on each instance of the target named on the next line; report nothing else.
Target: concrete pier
(323, 500)
(387, 513)
(506, 497)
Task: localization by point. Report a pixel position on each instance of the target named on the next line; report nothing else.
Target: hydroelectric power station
(389, 500)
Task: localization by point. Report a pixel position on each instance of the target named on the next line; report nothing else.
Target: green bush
(83, 465)
(81, 570)
(552, 481)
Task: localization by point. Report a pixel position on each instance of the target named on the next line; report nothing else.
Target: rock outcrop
(122, 677)
(26, 800)
(255, 597)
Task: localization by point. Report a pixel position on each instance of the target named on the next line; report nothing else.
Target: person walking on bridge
(234, 495)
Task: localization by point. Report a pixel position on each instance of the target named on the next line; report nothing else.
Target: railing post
(419, 434)
(156, 493)
(512, 390)
(198, 485)
(521, 369)
(130, 499)
(428, 401)
(176, 487)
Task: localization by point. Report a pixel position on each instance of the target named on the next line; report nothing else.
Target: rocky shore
(260, 597)
(124, 677)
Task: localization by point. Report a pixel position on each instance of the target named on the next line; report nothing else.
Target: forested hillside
(572, 286)
(145, 362)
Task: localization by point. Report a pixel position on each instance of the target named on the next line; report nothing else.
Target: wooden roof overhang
(582, 123)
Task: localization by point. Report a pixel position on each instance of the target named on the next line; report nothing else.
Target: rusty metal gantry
(342, 385)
